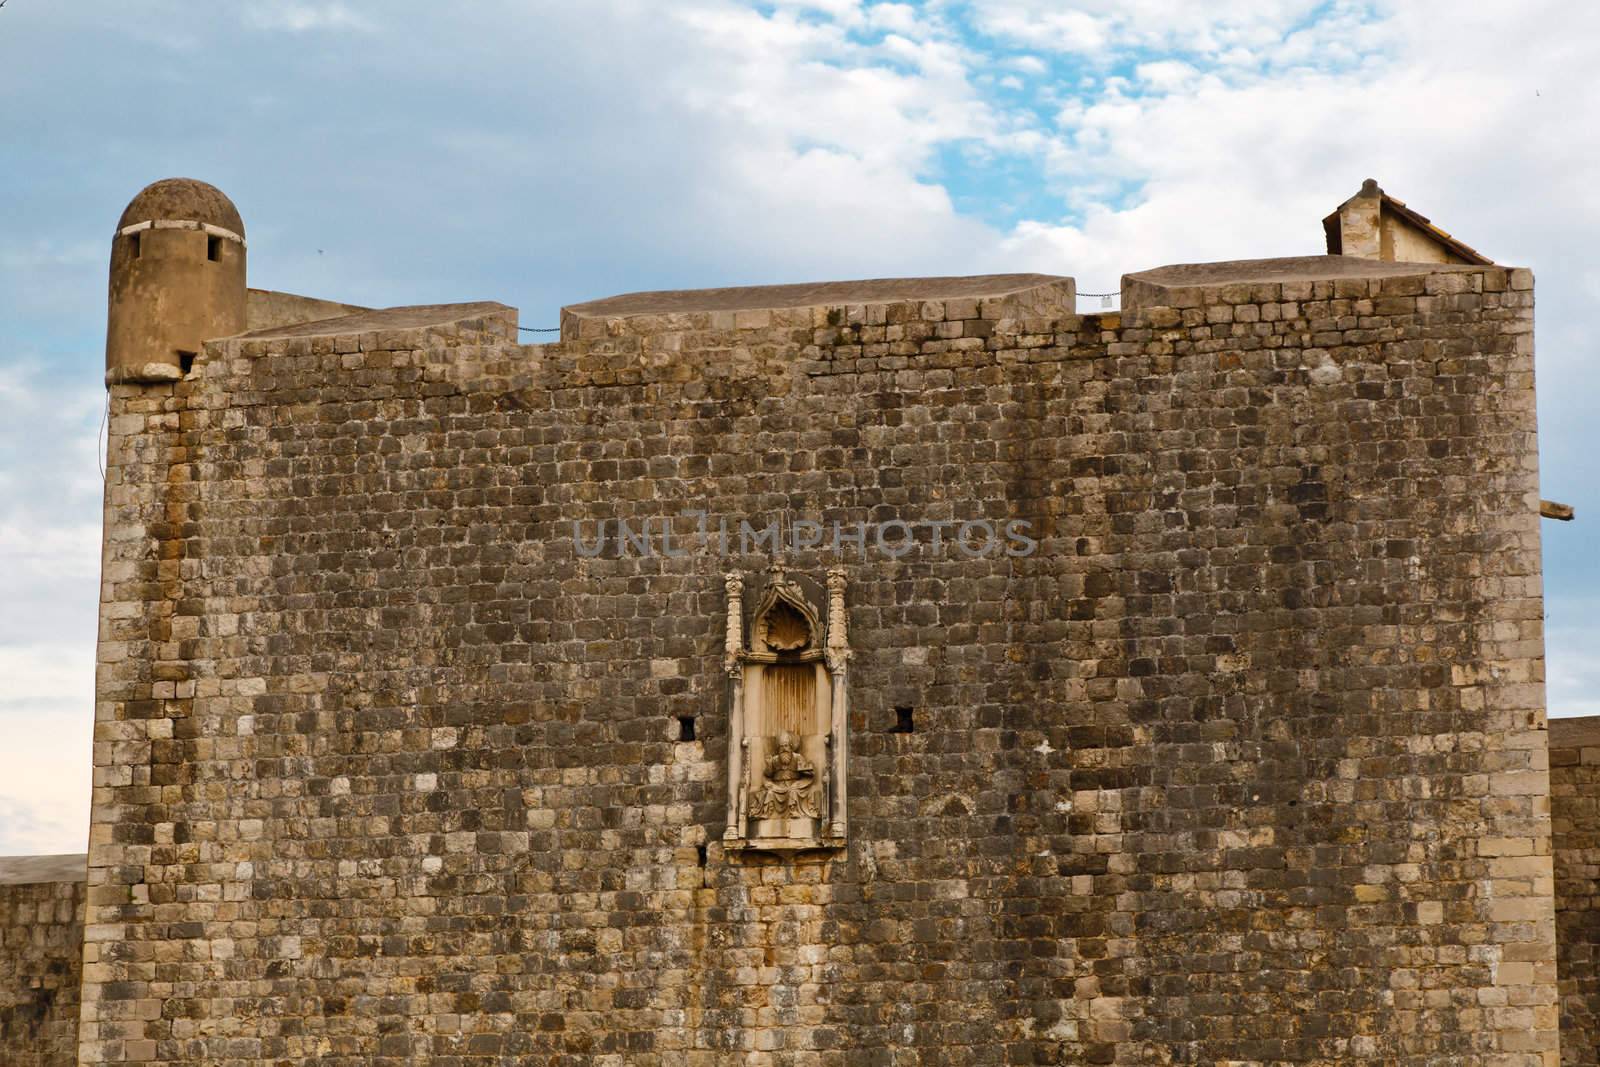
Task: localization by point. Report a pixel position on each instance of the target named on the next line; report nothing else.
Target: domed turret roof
(183, 199)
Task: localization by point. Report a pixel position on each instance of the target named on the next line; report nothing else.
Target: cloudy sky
(542, 153)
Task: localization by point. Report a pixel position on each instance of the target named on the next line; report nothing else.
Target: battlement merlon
(1190, 285)
(868, 302)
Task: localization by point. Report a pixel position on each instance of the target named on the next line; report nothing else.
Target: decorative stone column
(733, 667)
(838, 657)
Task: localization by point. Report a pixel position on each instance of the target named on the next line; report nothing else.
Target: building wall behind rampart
(41, 970)
(1575, 831)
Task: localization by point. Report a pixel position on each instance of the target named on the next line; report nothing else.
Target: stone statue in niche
(787, 735)
(790, 790)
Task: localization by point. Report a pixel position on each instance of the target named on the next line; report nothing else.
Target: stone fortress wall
(41, 959)
(1575, 819)
(1245, 764)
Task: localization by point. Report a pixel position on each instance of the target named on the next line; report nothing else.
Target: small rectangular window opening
(903, 721)
(685, 727)
(700, 852)
(186, 362)
(133, 243)
(213, 248)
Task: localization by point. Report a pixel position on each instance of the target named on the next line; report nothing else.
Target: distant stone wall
(1575, 826)
(1246, 764)
(41, 967)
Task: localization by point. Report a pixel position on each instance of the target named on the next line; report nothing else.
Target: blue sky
(547, 153)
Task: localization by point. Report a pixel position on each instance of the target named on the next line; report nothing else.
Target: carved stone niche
(787, 739)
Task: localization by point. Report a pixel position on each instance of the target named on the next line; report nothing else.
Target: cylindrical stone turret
(177, 280)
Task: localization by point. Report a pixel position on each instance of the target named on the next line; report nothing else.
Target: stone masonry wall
(1246, 764)
(41, 962)
(1575, 831)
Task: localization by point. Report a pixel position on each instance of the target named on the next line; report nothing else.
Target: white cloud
(1572, 654)
(303, 17)
(49, 455)
(36, 826)
(46, 755)
(1229, 168)
(900, 18)
(782, 82)
(50, 548)
(1105, 29)
(1167, 75)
